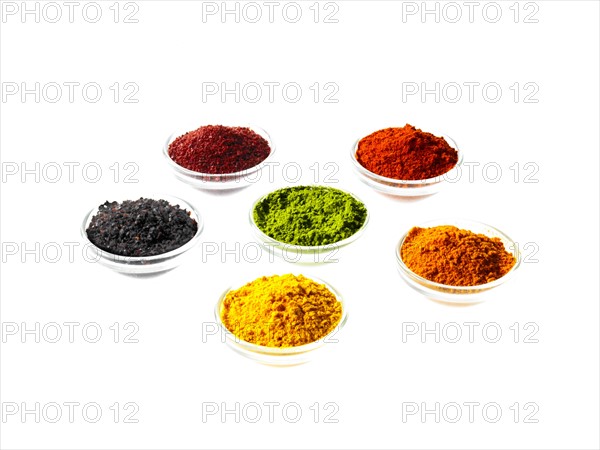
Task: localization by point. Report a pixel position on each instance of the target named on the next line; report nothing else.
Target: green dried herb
(309, 215)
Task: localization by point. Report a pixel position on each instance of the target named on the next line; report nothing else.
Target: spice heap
(448, 255)
(217, 149)
(309, 215)
(143, 227)
(281, 311)
(406, 153)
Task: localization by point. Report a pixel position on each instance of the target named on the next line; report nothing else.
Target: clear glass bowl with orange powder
(280, 356)
(457, 294)
(408, 188)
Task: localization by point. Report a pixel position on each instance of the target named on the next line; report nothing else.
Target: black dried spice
(143, 227)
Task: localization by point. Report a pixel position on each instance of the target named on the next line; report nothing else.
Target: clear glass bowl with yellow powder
(457, 294)
(408, 188)
(281, 356)
(305, 254)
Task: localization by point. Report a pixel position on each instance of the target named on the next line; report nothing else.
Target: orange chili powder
(406, 153)
(448, 255)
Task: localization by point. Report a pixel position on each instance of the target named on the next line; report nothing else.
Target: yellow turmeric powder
(448, 255)
(281, 311)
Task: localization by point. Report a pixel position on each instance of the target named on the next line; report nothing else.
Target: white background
(371, 372)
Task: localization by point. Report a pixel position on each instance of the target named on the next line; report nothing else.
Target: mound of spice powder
(281, 311)
(143, 227)
(217, 149)
(309, 215)
(452, 256)
(406, 153)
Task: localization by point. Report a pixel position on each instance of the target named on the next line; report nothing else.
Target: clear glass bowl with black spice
(304, 254)
(219, 181)
(408, 188)
(143, 265)
(457, 294)
(280, 356)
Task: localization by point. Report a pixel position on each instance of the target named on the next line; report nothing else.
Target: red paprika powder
(406, 153)
(217, 149)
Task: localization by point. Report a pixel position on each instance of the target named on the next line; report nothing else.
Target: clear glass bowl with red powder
(142, 265)
(408, 188)
(459, 295)
(219, 181)
(280, 356)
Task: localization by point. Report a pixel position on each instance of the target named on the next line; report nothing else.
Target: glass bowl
(221, 181)
(280, 356)
(305, 254)
(457, 294)
(143, 265)
(408, 188)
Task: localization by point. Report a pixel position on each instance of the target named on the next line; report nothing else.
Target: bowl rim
(416, 183)
(232, 339)
(307, 248)
(173, 201)
(240, 174)
(447, 288)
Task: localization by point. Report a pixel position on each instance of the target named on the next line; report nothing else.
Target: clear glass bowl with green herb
(306, 254)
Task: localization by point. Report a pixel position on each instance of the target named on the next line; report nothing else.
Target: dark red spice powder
(406, 153)
(217, 149)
